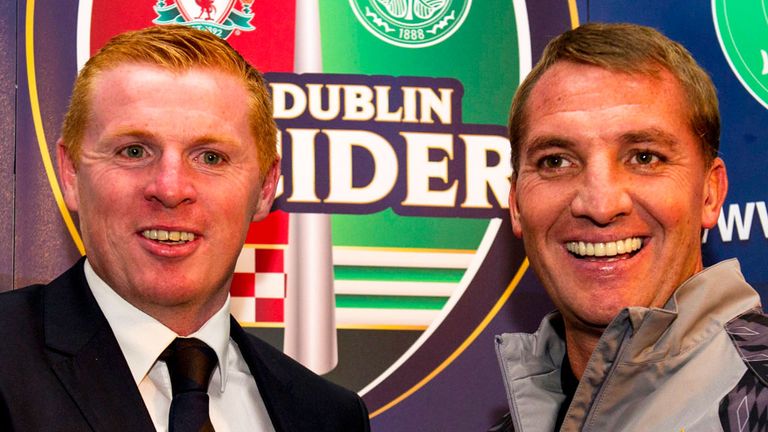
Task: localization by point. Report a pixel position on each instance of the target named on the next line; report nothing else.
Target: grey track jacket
(664, 369)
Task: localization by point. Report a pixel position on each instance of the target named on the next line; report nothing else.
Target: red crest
(205, 10)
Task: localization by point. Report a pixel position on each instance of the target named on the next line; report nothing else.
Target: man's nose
(603, 194)
(171, 183)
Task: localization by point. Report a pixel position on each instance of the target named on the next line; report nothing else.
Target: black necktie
(190, 363)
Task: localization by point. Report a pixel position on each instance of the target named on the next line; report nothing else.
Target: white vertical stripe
(84, 11)
(308, 55)
(523, 37)
(310, 326)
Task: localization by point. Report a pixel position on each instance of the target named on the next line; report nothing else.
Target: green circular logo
(742, 28)
(411, 23)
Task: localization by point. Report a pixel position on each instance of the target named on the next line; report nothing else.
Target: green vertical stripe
(482, 55)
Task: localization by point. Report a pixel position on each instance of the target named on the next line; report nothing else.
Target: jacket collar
(274, 382)
(706, 302)
(700, 306)
(84, 354)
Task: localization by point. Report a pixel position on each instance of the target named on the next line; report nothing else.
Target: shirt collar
(142, 338)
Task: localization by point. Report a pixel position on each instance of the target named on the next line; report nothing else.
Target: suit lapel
(87, 359)
(275, 387)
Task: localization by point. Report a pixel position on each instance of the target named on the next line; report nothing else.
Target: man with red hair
(167, 155)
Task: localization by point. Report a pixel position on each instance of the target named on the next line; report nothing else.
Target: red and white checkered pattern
(258, 285)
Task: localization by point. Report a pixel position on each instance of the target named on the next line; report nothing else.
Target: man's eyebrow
(222, 139)
(132, 133)
(144, 135)
(547, 142)
(650, 135)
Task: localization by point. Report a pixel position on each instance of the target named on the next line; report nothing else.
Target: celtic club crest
(742, 28)
(216, 16)
(411, 23)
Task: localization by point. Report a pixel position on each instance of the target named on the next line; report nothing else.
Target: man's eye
(645, 158)
(554, 162)
(211, 158)
(133, 152)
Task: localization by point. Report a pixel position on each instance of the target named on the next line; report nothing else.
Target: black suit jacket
(61, 369)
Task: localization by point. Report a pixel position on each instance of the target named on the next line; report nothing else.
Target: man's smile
(168, 237)
(605, 249)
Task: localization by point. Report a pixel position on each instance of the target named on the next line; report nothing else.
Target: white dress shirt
(235, 403)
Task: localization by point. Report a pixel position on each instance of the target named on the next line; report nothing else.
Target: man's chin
(594, 321)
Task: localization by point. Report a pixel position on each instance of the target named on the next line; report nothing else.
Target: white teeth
(608, 249)
(599, 249)
(172, 236)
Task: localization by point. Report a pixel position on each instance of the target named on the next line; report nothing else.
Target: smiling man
(615, 137)
(168, 153)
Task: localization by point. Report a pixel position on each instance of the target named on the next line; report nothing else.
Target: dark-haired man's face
(612, 190)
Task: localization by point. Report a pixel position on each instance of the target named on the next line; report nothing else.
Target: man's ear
(715, 189)
(514, 211)
(67, 175)
(267, 192)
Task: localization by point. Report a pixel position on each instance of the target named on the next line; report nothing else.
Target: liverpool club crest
(219, 17)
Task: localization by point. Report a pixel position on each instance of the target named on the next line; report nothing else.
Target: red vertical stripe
(108, 19)
(269, 47)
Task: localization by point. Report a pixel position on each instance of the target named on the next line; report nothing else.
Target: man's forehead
(132, 66)
(569, 82)
(568, 90)
(126, 78)
(124, 98)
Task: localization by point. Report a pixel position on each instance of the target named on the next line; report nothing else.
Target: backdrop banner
(392, 206)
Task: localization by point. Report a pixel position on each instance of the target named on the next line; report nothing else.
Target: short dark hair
(629, 48)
